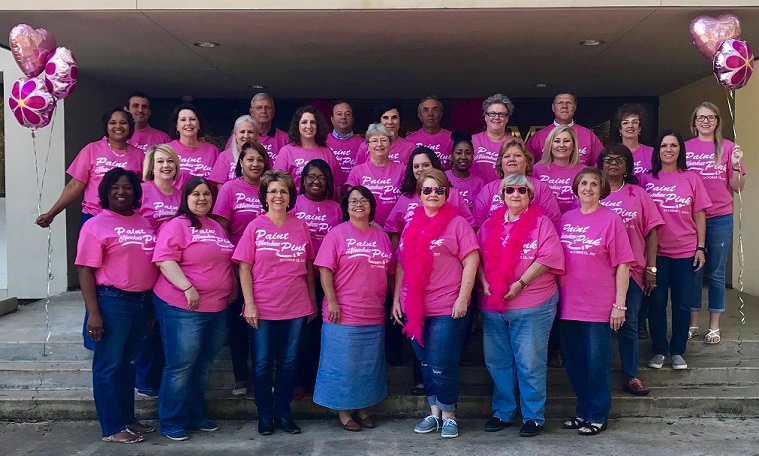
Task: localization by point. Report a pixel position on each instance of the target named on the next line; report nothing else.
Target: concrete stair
(721, 380)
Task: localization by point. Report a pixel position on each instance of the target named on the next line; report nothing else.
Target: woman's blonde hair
(718, 150)
(147, 164)
(547, 157)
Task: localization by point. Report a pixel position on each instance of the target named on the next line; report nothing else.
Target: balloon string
(46, 351)
(739, 350)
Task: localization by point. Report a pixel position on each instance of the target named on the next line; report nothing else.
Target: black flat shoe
(265, 426)
(287, 425)
(495, 424)
(530, 429)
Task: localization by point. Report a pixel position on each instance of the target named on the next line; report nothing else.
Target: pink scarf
(501, 258)
(418, 264)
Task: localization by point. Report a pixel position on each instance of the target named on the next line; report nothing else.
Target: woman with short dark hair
(196, 157)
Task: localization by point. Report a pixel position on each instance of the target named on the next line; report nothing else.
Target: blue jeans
(89, 344)
(629, 349)
(678, 275)
(515, 344)
(239, 339)
(443, 338)
(149, 361)
(275, 340)
(191, 341)
(124, 318)
(719, 235)
(586, 349)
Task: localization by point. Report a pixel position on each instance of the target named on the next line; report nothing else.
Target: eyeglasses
(437, 190)
(375, 141)
(356, 202)
(314, 177)
(522, 190)
(278, 192)
(500, 115)
(630, 123)
(615, 160)
(709, 118)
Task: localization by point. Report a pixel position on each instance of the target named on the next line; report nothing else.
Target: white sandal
(693, 331)
(712, 337)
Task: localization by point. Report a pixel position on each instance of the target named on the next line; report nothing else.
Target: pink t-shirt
(642, 159)
(148, 136)
(640, 215)
(91, 164)
(594, 245)
(345, 150)
(400, 151)
(403, 211)
(195, 161)
(293, 159)
(384, 183)
(273, 144)
(224, 168)
(238, 202)
(678, 196)
(543, 247)
(588, 144)
(699, 157)
(156, 206)
(278, 256)
(205, 256)
(320, 217)
(468, 187)
(110, 241)
(486, 155)
(360, 262)
(488, 201)
(560, 179)
(440, 143)
(448, 251)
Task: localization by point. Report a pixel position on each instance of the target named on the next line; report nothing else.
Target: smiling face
(614, 167)
(121, 197)
(562, 146)
(513, 161)
(630, 127)
(462, 156)
(516, 201)
(359, 208)
(316, 184)
(307, 126)
(563, 107)
(199, 200)
(245, 132)
(669, 150)
(139, 107)
(589, 189)
(379, 147)
(188, 124)
(706, 121)
(392, 121)
(433, 200)
(277, 197)
(430, 112)
(118, 127)
(420, 164)
(164, 166)
(342, 118)
(500, 118)
(252, 165)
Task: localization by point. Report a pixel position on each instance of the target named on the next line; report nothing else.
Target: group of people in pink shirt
(303, 249)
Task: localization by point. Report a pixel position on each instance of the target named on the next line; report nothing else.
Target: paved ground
(636, 437)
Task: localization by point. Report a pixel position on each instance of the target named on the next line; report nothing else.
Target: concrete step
(77, 404)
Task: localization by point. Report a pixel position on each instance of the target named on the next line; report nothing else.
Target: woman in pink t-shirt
(462, 154)
(355, 262)
(277, 280)
(514, 158)
(91, 164)
(593, 295)
(682, 201)
(629, 122)
(496, 110)
(559, 165)
(308, 141)
(236, 206)
(196, 157)
(521, 257)
(245, 130)
(117, 299)
(718, 162)
(641, 218)
(437, 264)
(191, 298)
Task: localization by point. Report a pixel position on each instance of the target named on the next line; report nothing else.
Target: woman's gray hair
(240, 120)
(517, 180)
(377, 129)
(498, 98)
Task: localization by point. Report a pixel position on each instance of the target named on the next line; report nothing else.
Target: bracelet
(736, 169)
(703, 249)
(618, 307)
(524, 284)
(188, 288)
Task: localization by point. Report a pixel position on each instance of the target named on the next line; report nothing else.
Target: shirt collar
(570, 124)
(339, 136)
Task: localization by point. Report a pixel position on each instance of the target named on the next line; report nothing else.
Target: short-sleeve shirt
(489, 200)
(700, 158)
(319, 216)
(238, 202)
(345, 150)
(403, 211)
(383, 181)
(642, 159)
(468, 187)
(486, 155)
(195, 161)
(588, 144)
(440, 143)
(148, 136)
(158, 207)
(293, 159)
(400, 151)
(560, 179)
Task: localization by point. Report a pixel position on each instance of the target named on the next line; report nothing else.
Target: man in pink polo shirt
(262, 109)
(564, 107)
(432, 135)
(342, 141)
(144, 136)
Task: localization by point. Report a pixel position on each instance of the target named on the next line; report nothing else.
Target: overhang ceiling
(385, 53)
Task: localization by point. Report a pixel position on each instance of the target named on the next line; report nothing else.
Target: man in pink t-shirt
(144, 135)
(564, 107)
(342, 141)
(432, 135)
(262, 109)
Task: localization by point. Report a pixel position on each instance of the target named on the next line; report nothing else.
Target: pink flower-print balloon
(61, 73)
(31, 48)
(733, 64)
(31, 103)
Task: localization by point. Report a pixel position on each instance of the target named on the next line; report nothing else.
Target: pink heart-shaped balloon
(31, 48)
(708, 32)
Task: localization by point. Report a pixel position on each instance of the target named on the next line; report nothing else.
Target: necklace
(116, 153)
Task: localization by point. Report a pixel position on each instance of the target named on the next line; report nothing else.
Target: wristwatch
(651, 269)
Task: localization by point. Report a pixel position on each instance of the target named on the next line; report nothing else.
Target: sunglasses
(437, 190)
(509, 189)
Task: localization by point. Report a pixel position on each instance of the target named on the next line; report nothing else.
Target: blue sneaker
(450, 429)
(206, 426)
(151, 394)
(177, 436)
(427, 425)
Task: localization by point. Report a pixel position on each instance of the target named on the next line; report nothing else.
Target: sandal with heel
(593, 428)
(574, 423)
